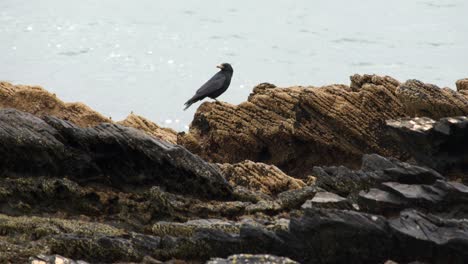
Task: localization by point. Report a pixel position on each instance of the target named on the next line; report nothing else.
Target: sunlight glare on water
(150, 56)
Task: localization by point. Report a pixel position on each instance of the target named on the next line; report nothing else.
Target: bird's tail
(189, 103)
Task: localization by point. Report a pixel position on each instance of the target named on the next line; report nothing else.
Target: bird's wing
(213, 84)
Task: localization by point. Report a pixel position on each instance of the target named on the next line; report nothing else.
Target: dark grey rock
(108, 153)
(327, 200)
(375, 169)
(378, 201)
(429, 238)
(441, 145)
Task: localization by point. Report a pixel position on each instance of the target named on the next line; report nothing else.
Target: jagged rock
(462, 85)
(319, 236)
(297, 128)
(422, 195)
(430, 238)
(149, 127)
(188, 228)
(341, 180)
(379, 201)
(438, 144)
(107, 153)
(358, 81)
(37, 101)
(421, 99)
(109, 193)
(26, 236)
(327, 200)
(259, 177)
(441, 197)
(247, 259)
(375, 169)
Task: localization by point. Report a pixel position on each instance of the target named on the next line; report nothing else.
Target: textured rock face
(107, 153)
(246, 259)
(38, 101)
(109, 193)
(440, 144)
(462, 86)
(421, 99)
(298, 127)
(149, 127)
(259, 177)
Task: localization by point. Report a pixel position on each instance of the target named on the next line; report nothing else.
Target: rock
(336, 236)
(188, 228)
(54, 259)
(297, 128)
(421, 99)
(341, 180)
(149, 127)
(259, 177)
(442, 198)
(378, 201)
(107, 153)
(430, 238)
(421, 195)
(247, 258)
(358, 81)
(26, 236)
(440, 144)
(375, 169)
(327, 200)
(37, 101)
(109, 193)
(319, 236)
(412, 174)
(462, 85)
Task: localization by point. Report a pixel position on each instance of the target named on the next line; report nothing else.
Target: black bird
(215, 86)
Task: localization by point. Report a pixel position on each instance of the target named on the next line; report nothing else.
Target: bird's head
(225, 67)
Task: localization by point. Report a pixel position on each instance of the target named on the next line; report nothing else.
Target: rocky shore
(373, 172)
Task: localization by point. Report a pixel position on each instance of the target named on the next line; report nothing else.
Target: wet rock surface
(82, 192)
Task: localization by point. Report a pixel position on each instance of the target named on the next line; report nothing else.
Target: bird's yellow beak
(220, 66)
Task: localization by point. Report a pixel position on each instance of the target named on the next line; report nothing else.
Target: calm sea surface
(150, 56)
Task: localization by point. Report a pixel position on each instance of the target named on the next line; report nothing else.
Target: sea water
(150, 56)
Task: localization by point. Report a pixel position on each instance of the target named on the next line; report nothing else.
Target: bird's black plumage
(215, 86)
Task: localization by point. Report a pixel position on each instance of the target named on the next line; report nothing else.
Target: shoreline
(373, 171)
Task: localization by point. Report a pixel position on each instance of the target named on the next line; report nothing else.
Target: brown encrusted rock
(296, 128)
(261, 177)
(462, 85)
(37, 101)
(422, 99)
(149, 127)
(357, 81)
